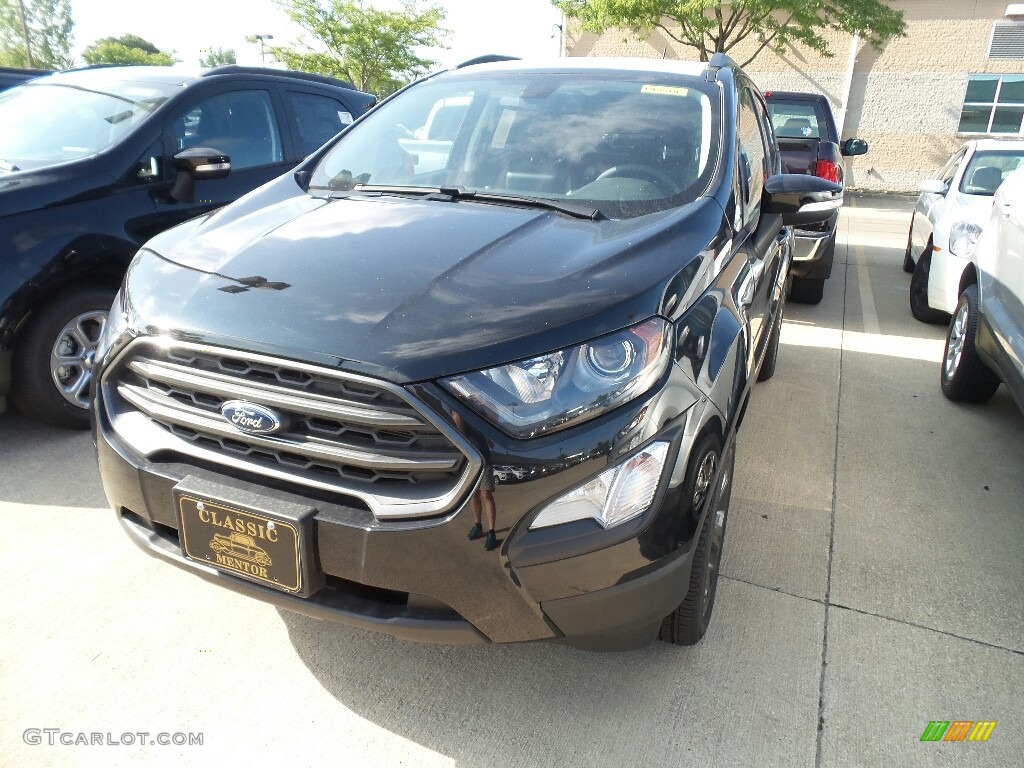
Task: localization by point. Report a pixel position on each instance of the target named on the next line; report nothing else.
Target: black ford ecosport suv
(482, 386)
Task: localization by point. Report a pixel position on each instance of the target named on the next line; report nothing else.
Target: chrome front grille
(341, 432)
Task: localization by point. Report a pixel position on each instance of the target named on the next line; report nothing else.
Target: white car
(948, 219)
(985, 341)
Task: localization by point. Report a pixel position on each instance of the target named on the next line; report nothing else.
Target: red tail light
(826, 169)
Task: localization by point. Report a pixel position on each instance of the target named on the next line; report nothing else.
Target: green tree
(715, 26)
(376, 50)
(126, 49)
(217, 58)
(49, 28)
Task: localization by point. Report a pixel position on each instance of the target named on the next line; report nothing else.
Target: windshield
(987, 170)
(625, 143)
(45, 123)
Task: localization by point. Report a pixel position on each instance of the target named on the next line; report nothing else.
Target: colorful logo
(958, 730)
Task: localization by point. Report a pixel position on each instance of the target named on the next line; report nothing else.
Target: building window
(993, 104)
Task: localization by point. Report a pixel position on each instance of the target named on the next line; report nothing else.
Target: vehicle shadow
(44, 465)
(479, 705)
(541, 704)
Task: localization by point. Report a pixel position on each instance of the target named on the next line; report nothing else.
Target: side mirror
(801, 199)
(197, 164)
(934, 187)
(854, 147)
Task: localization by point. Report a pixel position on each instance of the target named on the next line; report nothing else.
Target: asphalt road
(872, 582)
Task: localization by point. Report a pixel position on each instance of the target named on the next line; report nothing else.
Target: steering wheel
(635, 171)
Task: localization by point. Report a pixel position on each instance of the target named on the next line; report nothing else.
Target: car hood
(411, 288)
(973, 208)
(31, 190)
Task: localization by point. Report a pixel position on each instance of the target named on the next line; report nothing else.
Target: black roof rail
(717, 62)
(487, 58)
(25, 71)
(236, 69)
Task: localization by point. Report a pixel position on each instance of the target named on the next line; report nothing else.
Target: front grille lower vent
(339, 432)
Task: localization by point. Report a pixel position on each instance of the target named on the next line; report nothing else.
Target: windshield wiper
(381, 189)
(570, 207)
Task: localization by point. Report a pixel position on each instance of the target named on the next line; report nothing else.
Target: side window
(318, 118)
(239, 123)
(752, 163)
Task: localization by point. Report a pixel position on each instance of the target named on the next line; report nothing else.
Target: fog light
(616, 495)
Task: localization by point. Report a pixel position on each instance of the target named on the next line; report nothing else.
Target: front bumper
(814, 251)
(423, 579)
(945, 271)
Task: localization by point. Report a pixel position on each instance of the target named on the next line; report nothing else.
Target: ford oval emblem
(251, 418)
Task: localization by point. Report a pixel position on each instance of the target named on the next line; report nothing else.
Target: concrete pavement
(872, 582)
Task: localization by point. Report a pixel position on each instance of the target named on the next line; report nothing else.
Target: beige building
(958, 74)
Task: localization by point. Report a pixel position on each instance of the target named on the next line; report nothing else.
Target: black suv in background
(94, 162)
(480, 387)
(11, 76)
(809, 143)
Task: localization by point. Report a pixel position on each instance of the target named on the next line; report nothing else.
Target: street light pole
(263, 53)
(561, 37)
(24, 32)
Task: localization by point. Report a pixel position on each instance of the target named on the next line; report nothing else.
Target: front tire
(688, 623)
(963, 376)
(919, 291)
(52, 365)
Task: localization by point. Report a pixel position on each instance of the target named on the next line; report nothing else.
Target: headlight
(963, 238)
(613, 497)
(554, 391)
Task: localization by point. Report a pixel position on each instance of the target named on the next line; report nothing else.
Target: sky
(525, 28)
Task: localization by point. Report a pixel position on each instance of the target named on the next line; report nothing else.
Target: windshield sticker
(665, 90)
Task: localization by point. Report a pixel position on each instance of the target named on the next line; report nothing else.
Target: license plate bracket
(255, 537)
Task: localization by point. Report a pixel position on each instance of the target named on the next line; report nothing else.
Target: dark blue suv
(94, 162)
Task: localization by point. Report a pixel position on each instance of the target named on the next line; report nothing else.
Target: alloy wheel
(716, 536)
(71, 359)
(955, 343)
(705, 475)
